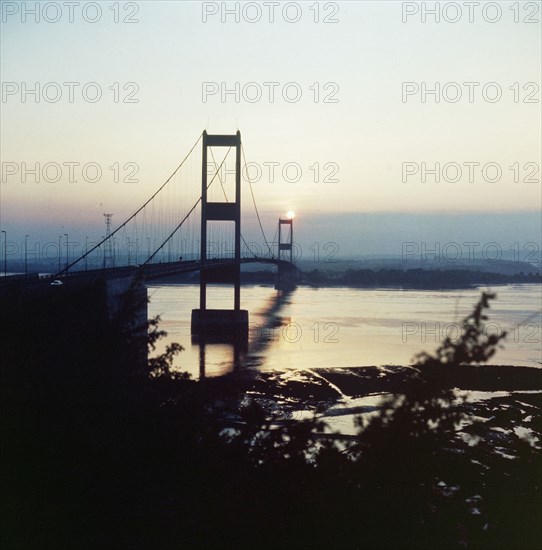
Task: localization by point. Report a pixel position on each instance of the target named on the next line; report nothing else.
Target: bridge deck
(149, 272)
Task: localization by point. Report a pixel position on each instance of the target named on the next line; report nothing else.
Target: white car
(56, 282)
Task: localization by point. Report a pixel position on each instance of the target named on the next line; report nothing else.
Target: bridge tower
(220, 322)
(288, 245)
(286, 274)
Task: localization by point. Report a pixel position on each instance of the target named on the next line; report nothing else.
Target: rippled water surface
(344, 327)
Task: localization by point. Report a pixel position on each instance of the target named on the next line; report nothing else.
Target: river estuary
(345, 327)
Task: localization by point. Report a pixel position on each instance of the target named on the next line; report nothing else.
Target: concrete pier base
(286, 278)
(227, 323)
(285, 284)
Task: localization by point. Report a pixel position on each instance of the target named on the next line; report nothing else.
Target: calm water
(344, 327)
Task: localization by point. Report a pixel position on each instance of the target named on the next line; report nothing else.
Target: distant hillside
(504, 267)
(417, 278)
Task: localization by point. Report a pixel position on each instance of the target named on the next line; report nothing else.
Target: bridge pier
(286, 277)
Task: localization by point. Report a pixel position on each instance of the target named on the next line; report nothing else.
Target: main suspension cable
(255, 207)
(133, 215)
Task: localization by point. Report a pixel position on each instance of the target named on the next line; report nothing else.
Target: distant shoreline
(471, 286)
(406, 279)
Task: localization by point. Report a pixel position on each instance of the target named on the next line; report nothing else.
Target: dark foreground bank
(131, 469)
(99, 454)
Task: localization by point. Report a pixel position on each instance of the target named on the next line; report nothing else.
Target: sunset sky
(362, 61)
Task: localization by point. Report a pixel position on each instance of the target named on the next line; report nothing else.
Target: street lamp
(67, 253)
(5, 254)
(86, 251)
(26, 255)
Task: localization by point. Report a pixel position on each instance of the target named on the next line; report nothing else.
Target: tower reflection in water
(245, 348)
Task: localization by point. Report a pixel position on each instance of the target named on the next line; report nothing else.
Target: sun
(290, 214)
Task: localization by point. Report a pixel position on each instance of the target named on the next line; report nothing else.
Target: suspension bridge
(192, 222)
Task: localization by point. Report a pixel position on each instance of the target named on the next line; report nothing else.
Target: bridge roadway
(33, 281)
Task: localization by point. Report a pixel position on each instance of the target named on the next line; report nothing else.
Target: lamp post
(86, 251)
(5, 254)
(26, 255)
(67, 252)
